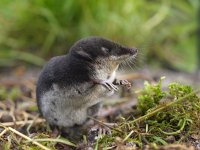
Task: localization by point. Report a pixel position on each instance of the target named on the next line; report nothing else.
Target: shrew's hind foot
(74, 134)
(97, 131)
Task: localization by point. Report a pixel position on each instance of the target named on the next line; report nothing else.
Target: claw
(125, 83)
(97, 131)
(107, 86)
(110, 86)
(114, 87)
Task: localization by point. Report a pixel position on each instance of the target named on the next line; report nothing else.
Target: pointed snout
(133, 51)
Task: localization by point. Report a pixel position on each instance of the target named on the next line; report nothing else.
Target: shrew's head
(98, 49)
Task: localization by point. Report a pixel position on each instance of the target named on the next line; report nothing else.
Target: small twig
(24, 136)
(112, 147)
(3, 132)
(56, 140)
(104, 124)
(29, 139)
(30, 125)
(128, 136)
(6, 124)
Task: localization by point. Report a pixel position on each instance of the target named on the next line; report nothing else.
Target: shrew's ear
(84, 55)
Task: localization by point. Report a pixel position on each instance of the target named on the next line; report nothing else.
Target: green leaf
(159, 139)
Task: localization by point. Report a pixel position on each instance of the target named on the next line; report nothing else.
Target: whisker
(133, 62)
(123, 65)
(129, 64)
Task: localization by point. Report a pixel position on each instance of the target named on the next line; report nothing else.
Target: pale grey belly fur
(66, 107)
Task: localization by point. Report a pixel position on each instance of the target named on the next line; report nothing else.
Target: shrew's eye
(106, 50)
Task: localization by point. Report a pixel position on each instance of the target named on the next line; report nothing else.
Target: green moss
(177, 116)
(150, 96)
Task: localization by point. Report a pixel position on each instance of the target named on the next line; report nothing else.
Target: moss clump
(176, 118)
(150, 96)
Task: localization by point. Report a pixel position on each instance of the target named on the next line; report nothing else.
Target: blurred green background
(165, 31)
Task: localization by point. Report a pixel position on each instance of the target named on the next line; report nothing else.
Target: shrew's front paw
(109, 86)
(106, 83)
(123, 83)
